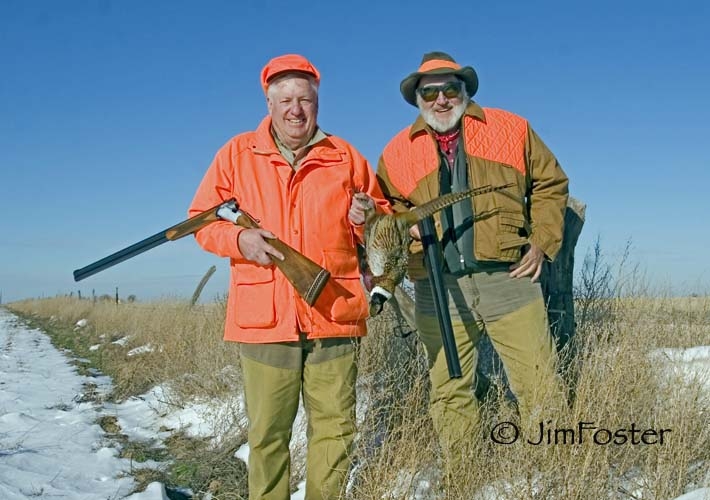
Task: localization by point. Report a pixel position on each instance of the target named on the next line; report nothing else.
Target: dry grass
(618, 383)
(142, 345)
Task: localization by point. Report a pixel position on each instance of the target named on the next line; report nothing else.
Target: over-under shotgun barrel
(434, 264)
(175, 232)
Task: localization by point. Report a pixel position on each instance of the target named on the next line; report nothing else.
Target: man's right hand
(253, 246)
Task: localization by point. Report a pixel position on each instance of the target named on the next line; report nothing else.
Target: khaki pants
(512, 312)
(275, 375)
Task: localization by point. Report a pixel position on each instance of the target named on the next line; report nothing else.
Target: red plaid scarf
(447, 144)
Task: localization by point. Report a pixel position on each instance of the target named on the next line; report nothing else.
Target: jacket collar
(263, 141)
(420, 126)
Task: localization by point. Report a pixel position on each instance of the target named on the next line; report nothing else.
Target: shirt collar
(288, 153)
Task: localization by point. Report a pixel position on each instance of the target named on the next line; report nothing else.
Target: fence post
(201, 285)
(558, 277)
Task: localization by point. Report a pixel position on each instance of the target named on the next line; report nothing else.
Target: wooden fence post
(201, 285)
(558, 277)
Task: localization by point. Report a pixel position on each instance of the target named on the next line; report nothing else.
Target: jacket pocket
(343, 296)
(512, 234)
(254, 296)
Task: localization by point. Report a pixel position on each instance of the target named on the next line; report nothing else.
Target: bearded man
(493, 245)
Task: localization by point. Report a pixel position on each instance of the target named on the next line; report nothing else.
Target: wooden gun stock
(307, 277)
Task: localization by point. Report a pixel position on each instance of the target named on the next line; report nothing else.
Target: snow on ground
(52, 447)
(692, 364)
(50, 443)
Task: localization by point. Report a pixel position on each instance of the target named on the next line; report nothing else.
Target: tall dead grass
(620, 386)
(145, 344)
(618, 382)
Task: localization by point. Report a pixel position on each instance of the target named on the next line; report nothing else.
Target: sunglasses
(431, 92)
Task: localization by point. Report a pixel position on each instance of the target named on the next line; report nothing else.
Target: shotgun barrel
(120, 256)
(170, 234)
(434, 264)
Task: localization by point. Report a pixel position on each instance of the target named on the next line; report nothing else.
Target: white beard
(443, 125)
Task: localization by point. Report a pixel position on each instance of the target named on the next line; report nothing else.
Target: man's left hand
(530, 264)
(359, 206)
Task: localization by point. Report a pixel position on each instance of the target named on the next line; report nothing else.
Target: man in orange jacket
(493, 244)
(301, 184)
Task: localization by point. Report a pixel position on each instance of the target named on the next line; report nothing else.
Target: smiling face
(443, 113)
(293, 106)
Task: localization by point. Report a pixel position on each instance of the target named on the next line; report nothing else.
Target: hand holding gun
(254, 246)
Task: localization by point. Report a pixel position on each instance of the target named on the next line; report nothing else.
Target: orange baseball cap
(287, 64)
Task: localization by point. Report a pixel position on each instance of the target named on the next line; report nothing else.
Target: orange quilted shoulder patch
(501, 138)
(409, 161)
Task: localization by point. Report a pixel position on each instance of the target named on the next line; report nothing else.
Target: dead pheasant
(387, 242)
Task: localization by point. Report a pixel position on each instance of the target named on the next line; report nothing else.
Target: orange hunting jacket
(307, 209)
(500, 148)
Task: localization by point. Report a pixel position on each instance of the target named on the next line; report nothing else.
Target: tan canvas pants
(275, 375)
(512, 313)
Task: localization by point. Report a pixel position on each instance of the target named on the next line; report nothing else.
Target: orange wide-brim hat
(438, 63)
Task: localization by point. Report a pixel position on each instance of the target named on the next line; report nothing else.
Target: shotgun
(434, 264)
(307, 277)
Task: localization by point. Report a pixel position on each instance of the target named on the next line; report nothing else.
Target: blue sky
(110, 112)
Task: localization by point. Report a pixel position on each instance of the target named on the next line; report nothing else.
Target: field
(638, 425)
